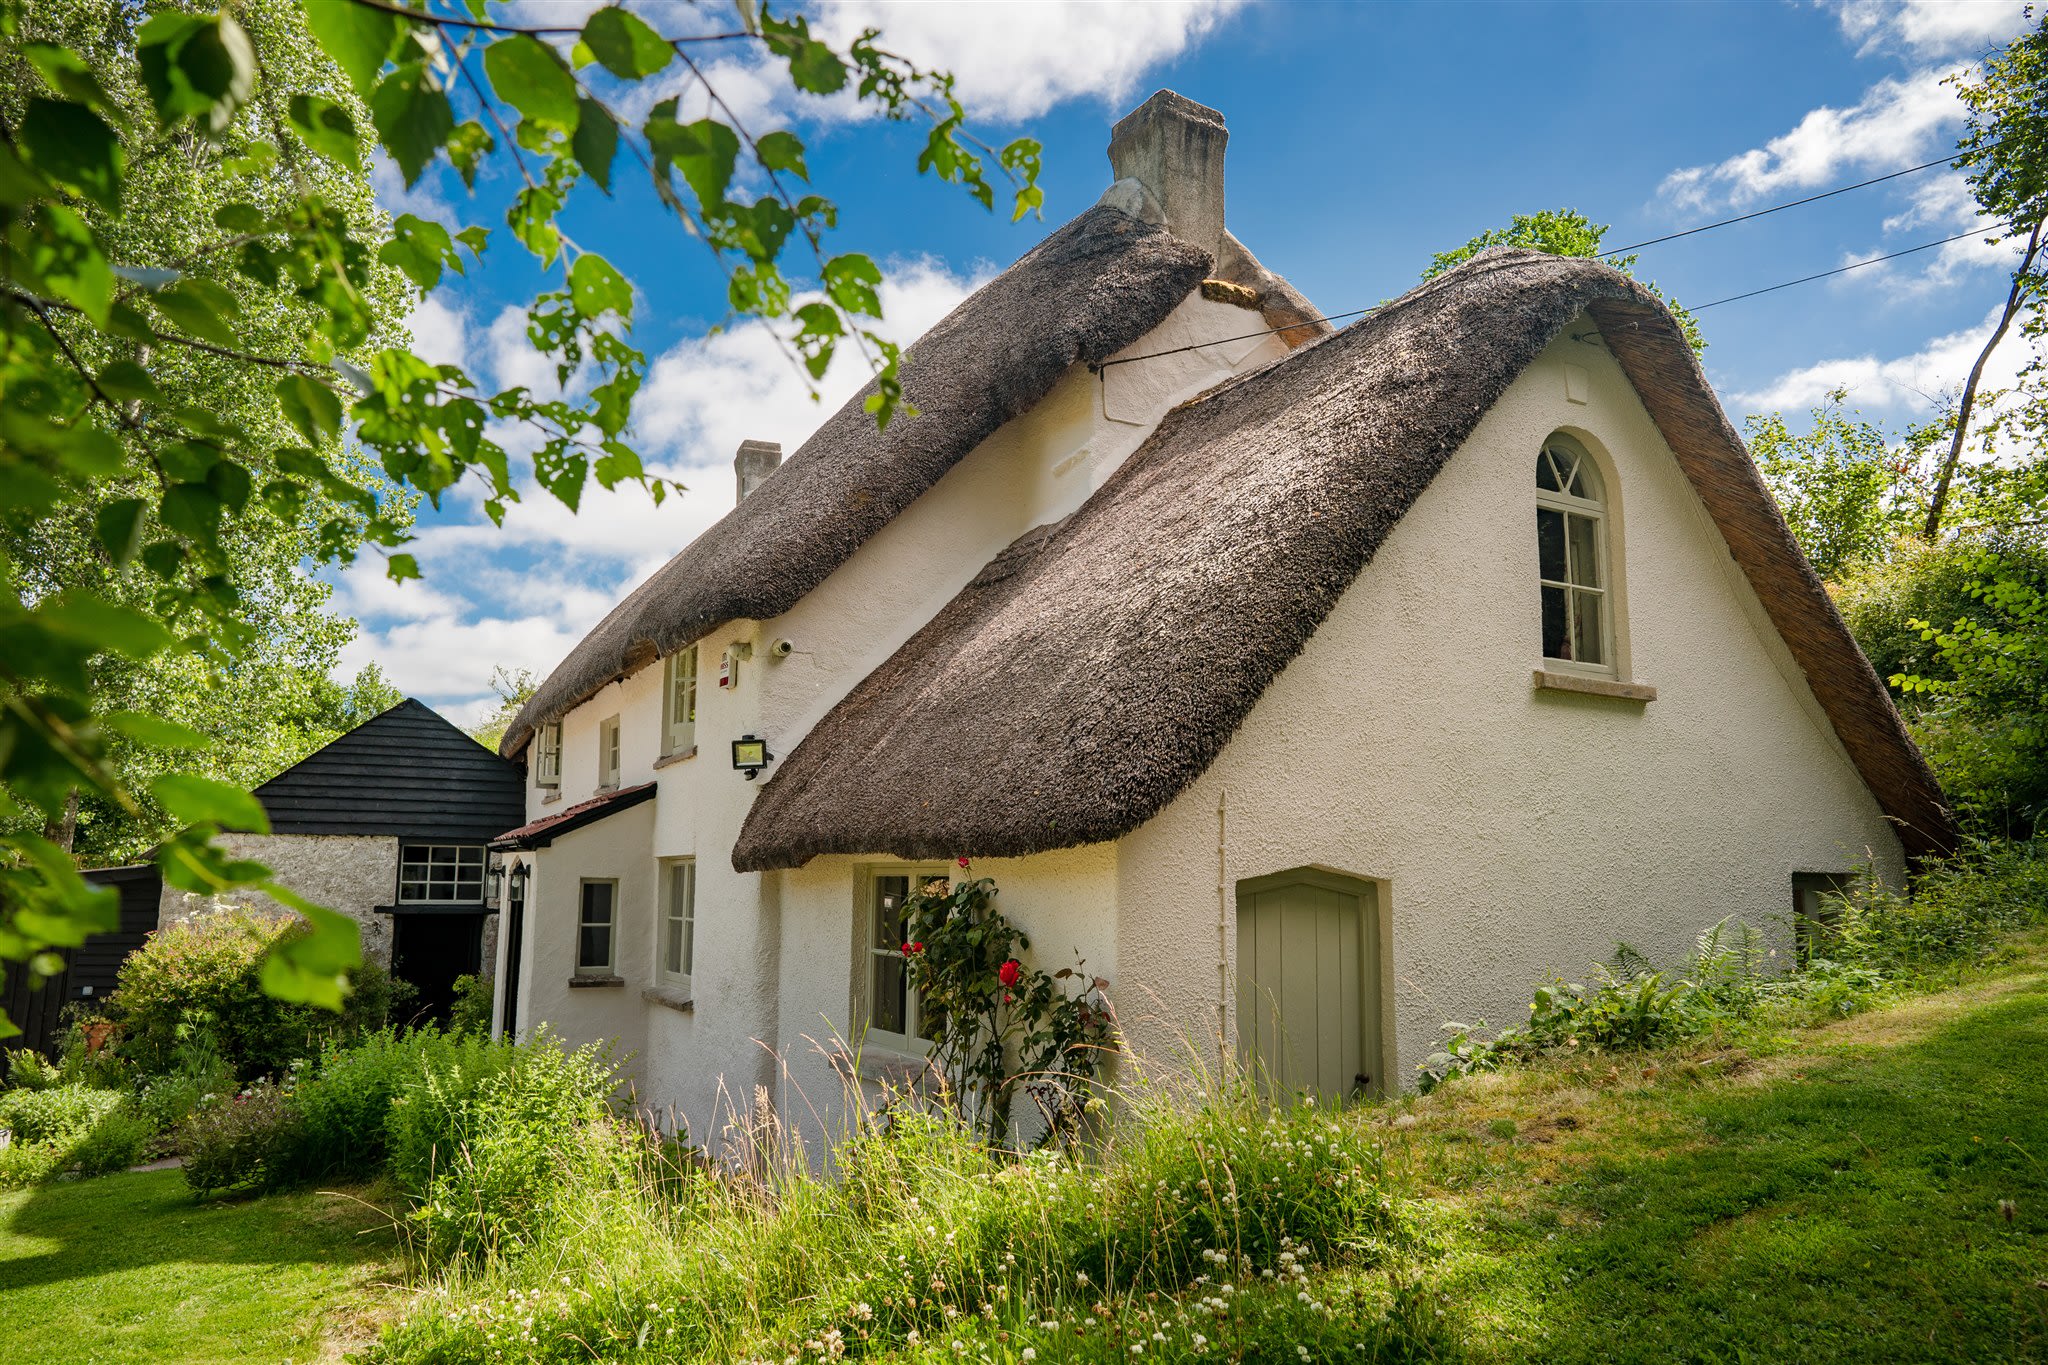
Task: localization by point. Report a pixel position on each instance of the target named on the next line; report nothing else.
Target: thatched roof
(1098, 666)
(1086, 292)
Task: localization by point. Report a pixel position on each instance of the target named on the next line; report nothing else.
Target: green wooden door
(1308, 1006)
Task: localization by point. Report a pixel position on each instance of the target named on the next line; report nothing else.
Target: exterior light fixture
(494, 882)
(750, 755)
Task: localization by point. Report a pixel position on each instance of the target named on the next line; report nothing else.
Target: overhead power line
(1776, 208)
(1838, 270)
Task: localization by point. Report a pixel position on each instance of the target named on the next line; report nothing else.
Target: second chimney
(755, 462)
(1174, 148)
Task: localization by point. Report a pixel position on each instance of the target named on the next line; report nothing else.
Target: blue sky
(1363, 139)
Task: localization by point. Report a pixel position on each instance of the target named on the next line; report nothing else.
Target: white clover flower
(1029, 1353)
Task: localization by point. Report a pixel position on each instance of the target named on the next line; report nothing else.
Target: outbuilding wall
(352, 873)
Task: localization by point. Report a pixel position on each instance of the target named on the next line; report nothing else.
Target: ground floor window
(595, 927)
(894, 1014)
(678, 922)
(1816, 911)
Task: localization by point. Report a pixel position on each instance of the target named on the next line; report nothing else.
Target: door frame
(1376, 907)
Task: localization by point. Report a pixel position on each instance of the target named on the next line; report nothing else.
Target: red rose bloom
(907, 948)
(916, 947)
(963, 862)
(1009, 972)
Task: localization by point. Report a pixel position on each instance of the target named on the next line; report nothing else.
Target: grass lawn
(1875, 1190)
(131, 1268)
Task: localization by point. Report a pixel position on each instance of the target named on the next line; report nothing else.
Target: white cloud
(1929, 28)
(524, 594)
(1899, 122)
(440, 333)
(1908, 383)
(420, 200)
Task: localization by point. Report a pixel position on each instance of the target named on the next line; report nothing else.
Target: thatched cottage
(1370, 673)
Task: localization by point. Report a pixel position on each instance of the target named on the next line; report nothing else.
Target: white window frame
(678, 919)
(679, 702)
(609, 758)
(547, 756)
(1559, 447)
(467, 857)
(873, 953)
(609, 967)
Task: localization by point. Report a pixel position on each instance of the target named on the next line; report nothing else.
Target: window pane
(1587, 645)
(594, 946)
(891, 993)
(1556, 638)
(1551, 560)
(890, 893)
(1546, 473)
(1585, 550)
(597, 902)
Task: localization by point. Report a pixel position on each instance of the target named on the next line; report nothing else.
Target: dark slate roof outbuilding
(406, 772)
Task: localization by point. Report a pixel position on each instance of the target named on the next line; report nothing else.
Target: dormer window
(547, 756)
(1572, 561)
(679, 702)
(608, 753)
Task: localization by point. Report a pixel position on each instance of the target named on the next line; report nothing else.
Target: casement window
(1817, 911)
(596, 927)
(895, 1016)
(547, 756)
(1572, 560)
(441, 874)
(679, 702)
(608, 753)
(678, 922)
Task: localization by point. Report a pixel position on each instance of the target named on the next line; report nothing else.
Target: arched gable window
(1572, 561)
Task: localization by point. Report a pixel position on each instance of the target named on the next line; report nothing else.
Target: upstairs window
(1571, 554)
(679, 702)
(608, 753)
(441, 874)
(547, 756)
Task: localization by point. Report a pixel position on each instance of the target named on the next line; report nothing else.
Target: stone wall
(347, 872)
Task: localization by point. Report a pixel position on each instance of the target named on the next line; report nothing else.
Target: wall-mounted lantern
(750, 755)
(494, 881)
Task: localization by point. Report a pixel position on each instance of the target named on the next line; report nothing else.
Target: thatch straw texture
(1086, 292)
(1098, 666)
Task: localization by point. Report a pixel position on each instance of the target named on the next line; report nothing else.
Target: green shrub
(428, 1116)
(28, 1069)
(345, 1101)
(1959, 912)
(22, 1165)
(67, 1126)
(59, 1114)
(472, 1012)
(248, 1140)
(196, 984)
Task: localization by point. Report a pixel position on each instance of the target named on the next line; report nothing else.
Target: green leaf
(467, 147)
(200, 67)
(127, 382)
(310, 406)
(421, 248)
(532, 78)
(199, 308)
(119, 525)
(360, 39)
(531, 219)
(783, 151)
(74, 146)
(105, 627)
(193, 511)
(625, 45)
(400, 567)
(65, 72)
(851, 282)
(596, 287)
(596, 142)
(201, 800)
(240, 218)
(325, 127)
(154, 731)
(704, 151)
(312, 968)
(58, 252)
(412, 116)
(816, 68)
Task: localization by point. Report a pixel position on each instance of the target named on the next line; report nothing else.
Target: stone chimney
(1173, 147)
(755, 462)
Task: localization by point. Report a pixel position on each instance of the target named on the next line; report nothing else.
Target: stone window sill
(666, 759)
(671, 998)
(1550, 681)
(896, 1068)
(593, 981)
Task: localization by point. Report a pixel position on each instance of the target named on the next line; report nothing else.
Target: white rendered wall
(1514, 832)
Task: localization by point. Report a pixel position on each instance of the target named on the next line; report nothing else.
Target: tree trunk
(63, 832)
(1969, 398)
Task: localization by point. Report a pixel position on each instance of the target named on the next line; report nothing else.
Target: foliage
(114, 338)
(30, 1070)
(66, 1126)
(998, 1026)
(1205, 1221)
(1560, 232)
(472, 1011)
(247, 1140)
(514, 688)
(1847, 494)
(198, 982)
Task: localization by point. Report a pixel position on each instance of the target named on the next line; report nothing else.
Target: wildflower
(1029, 1353)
